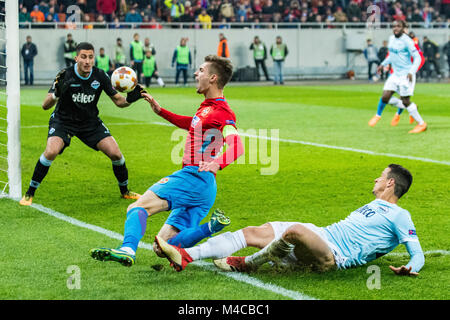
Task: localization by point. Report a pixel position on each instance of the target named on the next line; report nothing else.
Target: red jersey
(205, 140)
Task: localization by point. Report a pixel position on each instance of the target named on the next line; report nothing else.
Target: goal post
(12, 67)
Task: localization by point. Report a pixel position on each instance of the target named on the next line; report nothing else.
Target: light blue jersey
(372, 231)
(400, 52)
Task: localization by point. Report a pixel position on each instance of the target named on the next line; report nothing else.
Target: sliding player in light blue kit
(365, 235)
(403, 80)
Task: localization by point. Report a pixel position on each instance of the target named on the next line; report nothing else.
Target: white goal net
(10, 172)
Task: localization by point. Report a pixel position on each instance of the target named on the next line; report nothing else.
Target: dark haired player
(190, 192)
(401, 51)
(368, 233)
(76, 91)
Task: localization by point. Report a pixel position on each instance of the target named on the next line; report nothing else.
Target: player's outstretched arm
(415, 263)
(183, 122)
(133, 96)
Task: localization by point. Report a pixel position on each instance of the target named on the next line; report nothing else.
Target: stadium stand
(236, 11)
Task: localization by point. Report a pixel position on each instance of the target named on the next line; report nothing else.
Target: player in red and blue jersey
(190, 192)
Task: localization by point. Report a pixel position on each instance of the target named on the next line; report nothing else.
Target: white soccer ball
(124, 79)
(375, 78)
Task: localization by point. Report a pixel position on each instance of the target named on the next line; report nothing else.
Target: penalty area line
(295, 295)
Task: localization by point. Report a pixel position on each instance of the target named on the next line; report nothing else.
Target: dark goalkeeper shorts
(90, 132)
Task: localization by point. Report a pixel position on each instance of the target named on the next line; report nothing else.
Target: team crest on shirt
(95, 84)
(51, 131)
(412, 232)
(205, 111)
(163, 180)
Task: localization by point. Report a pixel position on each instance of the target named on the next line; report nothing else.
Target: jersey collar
(78, 75)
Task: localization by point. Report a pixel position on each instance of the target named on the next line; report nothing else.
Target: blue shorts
(190, 195)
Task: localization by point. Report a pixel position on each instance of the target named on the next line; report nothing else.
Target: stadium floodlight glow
(13, 98)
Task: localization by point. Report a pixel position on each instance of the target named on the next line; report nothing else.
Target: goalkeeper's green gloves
(135, 95)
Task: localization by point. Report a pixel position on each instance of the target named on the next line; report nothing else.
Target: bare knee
(294, 234)
(258, 237)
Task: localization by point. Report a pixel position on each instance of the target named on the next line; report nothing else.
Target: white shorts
(280, 227)
(400, 84)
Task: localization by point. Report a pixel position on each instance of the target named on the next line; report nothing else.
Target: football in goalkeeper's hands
(124, 79)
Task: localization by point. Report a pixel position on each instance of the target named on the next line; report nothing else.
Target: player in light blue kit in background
(401, 50)
(365, 235)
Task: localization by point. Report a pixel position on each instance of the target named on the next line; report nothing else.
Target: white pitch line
(308, 143)
(295, 295)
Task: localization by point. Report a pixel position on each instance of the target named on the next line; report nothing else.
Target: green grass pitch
(313, 184)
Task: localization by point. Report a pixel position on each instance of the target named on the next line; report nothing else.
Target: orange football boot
(374, 120)
(27, 200)
(130, 195)
(419, 128)
(395, 120)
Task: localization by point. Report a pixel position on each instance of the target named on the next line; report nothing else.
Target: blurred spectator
(29, 51)
(106, 8)
(148, 46)
(427, 13)
(103, 62)
(87, 23)
(354, 11)
(371, 55)
(222, 49)
(132, 16)
(205, 19)
(227, 10)
(137, 55)
(150, 70)
(119, 54)
(278, 51)
(70, 50)
(398, 12)
(100, 22)
(213, 10)
(268, 7)
(340, 15)
(446, 52)
(155, 24)
(189, 14)
(260, 56)
(416, 16)
(24, 16)
(257, 6)
(431, 55)
(176, 9)
(293, 10)
(51, 11)
(37, 14)
(183, 59)
(382, 54)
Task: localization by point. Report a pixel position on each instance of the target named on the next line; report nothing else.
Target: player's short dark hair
(222, 67)
(403, 179)
(84, 46)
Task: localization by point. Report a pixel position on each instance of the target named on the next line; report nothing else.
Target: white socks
(396, 102)
(276, 249)
(412, 109)
(220, 246)
(128, 250)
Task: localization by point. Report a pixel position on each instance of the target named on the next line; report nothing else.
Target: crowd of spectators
(202, 13)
